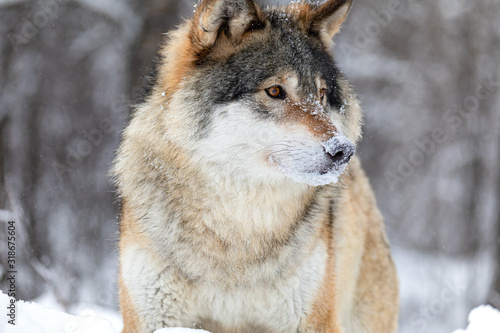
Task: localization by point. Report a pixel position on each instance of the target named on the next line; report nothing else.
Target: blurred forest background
(427, 73)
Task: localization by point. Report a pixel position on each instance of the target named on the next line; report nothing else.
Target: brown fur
(131, 320)
(317, 124)
(323, 20)
(324, 317)
(175, 68)
(129, 234)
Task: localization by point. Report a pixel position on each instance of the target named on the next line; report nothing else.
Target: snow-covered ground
(483, 319)
(179, 330)
(34, 318)
(437, 294)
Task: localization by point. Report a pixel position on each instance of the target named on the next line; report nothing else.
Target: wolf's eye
(322, 94)
(276, 92)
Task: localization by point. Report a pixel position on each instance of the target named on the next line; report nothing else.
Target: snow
(35, 318)
(483, 319)
(179, 330)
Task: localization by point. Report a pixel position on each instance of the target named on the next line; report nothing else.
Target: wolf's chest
(273, 308)
(275, 305)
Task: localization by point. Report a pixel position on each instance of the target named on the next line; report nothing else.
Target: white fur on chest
(165, 300)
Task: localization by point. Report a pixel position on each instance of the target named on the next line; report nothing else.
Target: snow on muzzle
(339, 151)
(316, 164)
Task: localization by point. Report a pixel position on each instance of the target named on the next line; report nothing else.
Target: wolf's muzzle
(339, 151)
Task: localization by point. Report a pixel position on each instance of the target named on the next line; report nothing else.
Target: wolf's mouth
(314, 177)
(316, 166)
(328, 167)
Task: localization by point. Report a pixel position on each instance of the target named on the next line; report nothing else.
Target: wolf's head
(255, 91)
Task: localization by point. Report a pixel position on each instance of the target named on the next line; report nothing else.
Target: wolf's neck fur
(236, 207)
(215, 217)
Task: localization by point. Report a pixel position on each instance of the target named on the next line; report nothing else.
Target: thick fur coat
(243, 207)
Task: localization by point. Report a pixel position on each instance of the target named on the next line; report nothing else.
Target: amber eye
(322, 94)
(276, 92)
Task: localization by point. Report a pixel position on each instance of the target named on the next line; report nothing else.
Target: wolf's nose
(339, 150)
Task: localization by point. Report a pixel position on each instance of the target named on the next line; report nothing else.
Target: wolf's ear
(326, 19)
(230, 17)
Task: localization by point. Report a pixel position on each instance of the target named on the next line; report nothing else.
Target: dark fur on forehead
(286, 48)
(309, 57)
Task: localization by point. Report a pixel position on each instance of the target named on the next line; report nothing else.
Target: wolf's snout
(339, 151)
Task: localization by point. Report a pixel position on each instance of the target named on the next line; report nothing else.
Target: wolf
(244, 207)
